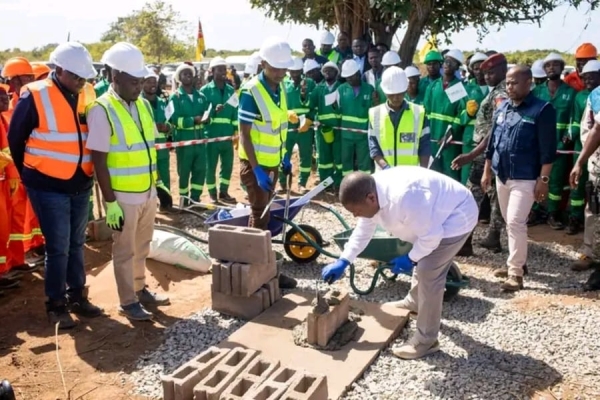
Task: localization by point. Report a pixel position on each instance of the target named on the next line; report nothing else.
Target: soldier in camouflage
(494, 68)
(590, 154)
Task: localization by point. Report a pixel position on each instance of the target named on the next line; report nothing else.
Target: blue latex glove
(333, 272)
(263, 179)
(387, 167)
(286, 164)
(402, 264)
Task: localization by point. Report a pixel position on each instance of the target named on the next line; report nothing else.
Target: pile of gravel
(494, 345)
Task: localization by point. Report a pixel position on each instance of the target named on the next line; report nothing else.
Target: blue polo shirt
(523, 139)
(248, 109)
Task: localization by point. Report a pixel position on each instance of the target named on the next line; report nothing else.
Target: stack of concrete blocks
(241, 374)
(245, 280)
(321, 327)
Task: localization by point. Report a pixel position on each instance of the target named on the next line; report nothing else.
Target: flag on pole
(430, 44)
(200, 50)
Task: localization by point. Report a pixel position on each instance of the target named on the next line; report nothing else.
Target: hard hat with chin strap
(394, 81)
(277, 53)
(75, 58)
(127, 58)
(390, 58)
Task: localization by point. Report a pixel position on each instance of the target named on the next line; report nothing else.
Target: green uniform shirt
(185, 108)
(563, 102)
(420, 98)
(354, 108)
(326, 115)
(294, 100)
(158, 109)
(578, 110)
(101, 87)
(225, 122)
(440, 111)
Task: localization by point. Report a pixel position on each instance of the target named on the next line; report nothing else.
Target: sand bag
(173, 249)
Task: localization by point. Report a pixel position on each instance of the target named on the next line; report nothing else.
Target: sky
(233, 25)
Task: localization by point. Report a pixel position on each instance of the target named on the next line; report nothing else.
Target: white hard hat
(478, 57)
(150, 73)
(255, 58)
(456, 54)
(591, 66)
(73, 57)
(251, 69)
(390, 58)
(327, 38)
(412, 71)
(298, 64)
(394, 80)
(217, 62)
(127, 58)
(537, 69)
(182, 67)
(553, 57)
(277, 53)
(330, 64)
(310, 64)
(349, 68)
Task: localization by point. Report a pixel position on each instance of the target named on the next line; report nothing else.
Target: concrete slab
(271, 334)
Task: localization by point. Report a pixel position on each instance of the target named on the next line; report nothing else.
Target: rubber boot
(467, 249)
(492, 241)
(574, 226)
(6, 391)
(555, 222)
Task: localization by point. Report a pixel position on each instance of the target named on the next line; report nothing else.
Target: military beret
(493, 61)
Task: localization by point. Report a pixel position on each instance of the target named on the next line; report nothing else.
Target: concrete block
(180, 384)
(216, 276)
(321, 327)
(242, 307)
(223, 374)
(307, 387)
(236, 280)
(273, 287)
(266, 298)
(225, 286)
(277, 384)
(239, 244)
(253, 276)
(99, 231)
(250, 378)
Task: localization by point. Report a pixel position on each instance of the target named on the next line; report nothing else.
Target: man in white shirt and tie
(420, 206)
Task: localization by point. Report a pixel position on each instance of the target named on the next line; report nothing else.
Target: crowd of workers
(350, 106)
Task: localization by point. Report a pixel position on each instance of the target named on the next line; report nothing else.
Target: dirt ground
(96, 354)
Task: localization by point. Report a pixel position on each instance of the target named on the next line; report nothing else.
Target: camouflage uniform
(483, 126)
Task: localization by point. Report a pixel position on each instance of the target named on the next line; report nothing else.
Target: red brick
(225, 275)
(242, 307)
(320, 328)
(253, 276)
(307, 387)
(180, 384)
(216, 276)
(239, 244)
(226, 371)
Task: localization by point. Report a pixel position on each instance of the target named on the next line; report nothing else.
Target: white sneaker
(403, 304)
(412, 349)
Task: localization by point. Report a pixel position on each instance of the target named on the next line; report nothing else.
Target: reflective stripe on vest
(400, 147)
(56, 147)
(131, 158)
(269, 134)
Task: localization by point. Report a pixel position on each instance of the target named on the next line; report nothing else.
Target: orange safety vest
(57, 146)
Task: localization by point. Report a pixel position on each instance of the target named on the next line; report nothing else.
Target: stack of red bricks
(245, 280)
(241, 374)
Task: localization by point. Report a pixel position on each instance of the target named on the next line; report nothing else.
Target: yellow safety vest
(270, 132)
(131, 159)
(400, 147)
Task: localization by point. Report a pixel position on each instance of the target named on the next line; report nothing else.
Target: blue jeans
(63, 219)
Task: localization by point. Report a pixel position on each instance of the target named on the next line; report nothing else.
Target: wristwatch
(545, 179)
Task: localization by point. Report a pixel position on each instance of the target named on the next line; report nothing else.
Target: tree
(154, 29)
(382, 18)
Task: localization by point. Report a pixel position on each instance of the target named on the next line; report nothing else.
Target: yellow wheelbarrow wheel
(300, 253)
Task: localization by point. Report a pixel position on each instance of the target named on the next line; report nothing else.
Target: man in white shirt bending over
(430, 210)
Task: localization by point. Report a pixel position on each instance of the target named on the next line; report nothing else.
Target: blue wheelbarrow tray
(276, 219)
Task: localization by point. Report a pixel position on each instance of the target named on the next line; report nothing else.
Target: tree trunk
(417, 19)
(352, 17)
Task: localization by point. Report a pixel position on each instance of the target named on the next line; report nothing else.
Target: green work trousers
(557, 182)
(191, 165)
(444, 163)
(330, 157)
(577, 195)
(355, 146)
(163, 163)
(304, 141)
(219, 152)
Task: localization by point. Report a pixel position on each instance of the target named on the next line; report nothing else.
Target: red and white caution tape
(183, 143)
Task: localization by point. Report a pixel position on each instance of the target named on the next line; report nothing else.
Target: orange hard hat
(16, 66)
(40, 69)
(586, 50)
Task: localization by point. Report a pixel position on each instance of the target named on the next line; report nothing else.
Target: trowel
(273, 196)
